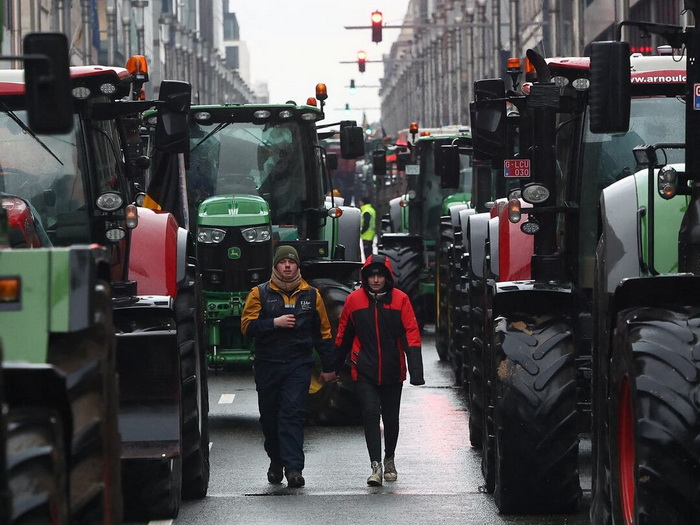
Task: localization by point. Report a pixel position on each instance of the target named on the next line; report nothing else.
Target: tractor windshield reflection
(244, 158)
(51, 181)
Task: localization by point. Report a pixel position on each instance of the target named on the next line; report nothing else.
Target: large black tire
(536, 446)
(189, 315)
(335, 403)
(475, 377)
(36, 460)
(654, 419)
(87, 358)
(158, 495)
(407, 264)
(442, 286)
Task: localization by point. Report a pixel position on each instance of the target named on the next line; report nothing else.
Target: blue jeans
(283, 389)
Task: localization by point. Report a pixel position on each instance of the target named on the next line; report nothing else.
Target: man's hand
(285, 321)
(328, 377)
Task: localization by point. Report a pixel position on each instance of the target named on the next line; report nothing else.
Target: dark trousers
(367, 248)
(283, 389)
(376, 401)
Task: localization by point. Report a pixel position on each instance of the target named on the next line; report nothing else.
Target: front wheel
(332, 403)
(536, 445)
(654, 419)
(36, 467)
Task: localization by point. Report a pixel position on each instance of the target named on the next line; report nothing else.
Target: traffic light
(377, 20)
(352, 83)
(361, 59)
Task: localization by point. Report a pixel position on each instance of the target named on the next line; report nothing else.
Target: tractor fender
(454, 213)
(533, 296)
(662, 290)
(493, 242)
(148, 364)
(395, 211)
(402, 239)
(477, 231)
(348, 232)
(515, 248)
(620, 254)
(156, 261)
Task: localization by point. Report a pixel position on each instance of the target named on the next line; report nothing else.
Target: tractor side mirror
(47, 80)
(379, 162)
(352, 142)
(332, 161)
(489, 118)
(610, 87)
(448, 171)
(403, 158)
(172, 128)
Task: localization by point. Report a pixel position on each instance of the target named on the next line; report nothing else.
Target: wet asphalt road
(439, 481)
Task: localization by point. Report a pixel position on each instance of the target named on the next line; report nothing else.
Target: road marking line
(161, 522)
(210, 444)
(226, 399)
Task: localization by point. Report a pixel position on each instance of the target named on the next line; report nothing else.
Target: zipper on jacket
(379, 344)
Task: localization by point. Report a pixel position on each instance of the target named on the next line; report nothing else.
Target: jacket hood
(377, 263)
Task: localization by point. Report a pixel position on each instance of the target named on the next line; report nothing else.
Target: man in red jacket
(378, 328)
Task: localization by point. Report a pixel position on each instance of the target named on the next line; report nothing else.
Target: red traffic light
(377, 21)
(361, 59)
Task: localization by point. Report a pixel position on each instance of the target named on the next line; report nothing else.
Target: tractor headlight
(110, 201)
(535, 193)
(257, 234)
(210, 235)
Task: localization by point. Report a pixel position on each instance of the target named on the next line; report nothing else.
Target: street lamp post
(85, 19)
(140, 6)
(496, 16)
(126, 26)
(111, 34)
(514, 29)
(481, 8)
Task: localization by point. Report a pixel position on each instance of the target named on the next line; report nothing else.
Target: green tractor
(59, 437)
(81, 185)
(257, 178)
(646, 367)
(438, 182)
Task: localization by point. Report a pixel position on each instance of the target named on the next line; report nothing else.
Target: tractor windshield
(48, 172)
(273, 161)
(608, 158)
(432, 192)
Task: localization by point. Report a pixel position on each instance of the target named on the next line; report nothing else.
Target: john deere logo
(234, 253)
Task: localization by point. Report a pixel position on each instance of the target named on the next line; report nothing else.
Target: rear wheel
(442, 286)
(407, 263)
(36, 460)
(653, 417)
(332, 403)
(87, 358)
(536, 446)
(189, 314)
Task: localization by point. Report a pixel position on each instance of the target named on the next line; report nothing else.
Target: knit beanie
(285, 252)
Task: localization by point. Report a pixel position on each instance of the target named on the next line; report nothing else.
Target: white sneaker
(375, 478)
(390, 473)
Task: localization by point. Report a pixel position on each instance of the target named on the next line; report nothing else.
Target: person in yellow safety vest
(368, 225)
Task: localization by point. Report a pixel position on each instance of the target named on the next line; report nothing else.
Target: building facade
(445, 45)
(180, 39)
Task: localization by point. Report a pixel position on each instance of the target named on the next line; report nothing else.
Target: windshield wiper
(26, 129)
(212, 132)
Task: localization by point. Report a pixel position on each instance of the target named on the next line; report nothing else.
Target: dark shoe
(295, 479)
(274, 474)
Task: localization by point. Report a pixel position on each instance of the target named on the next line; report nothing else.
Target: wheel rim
(626, 453)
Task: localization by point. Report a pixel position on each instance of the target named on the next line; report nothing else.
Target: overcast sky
(295, 44)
